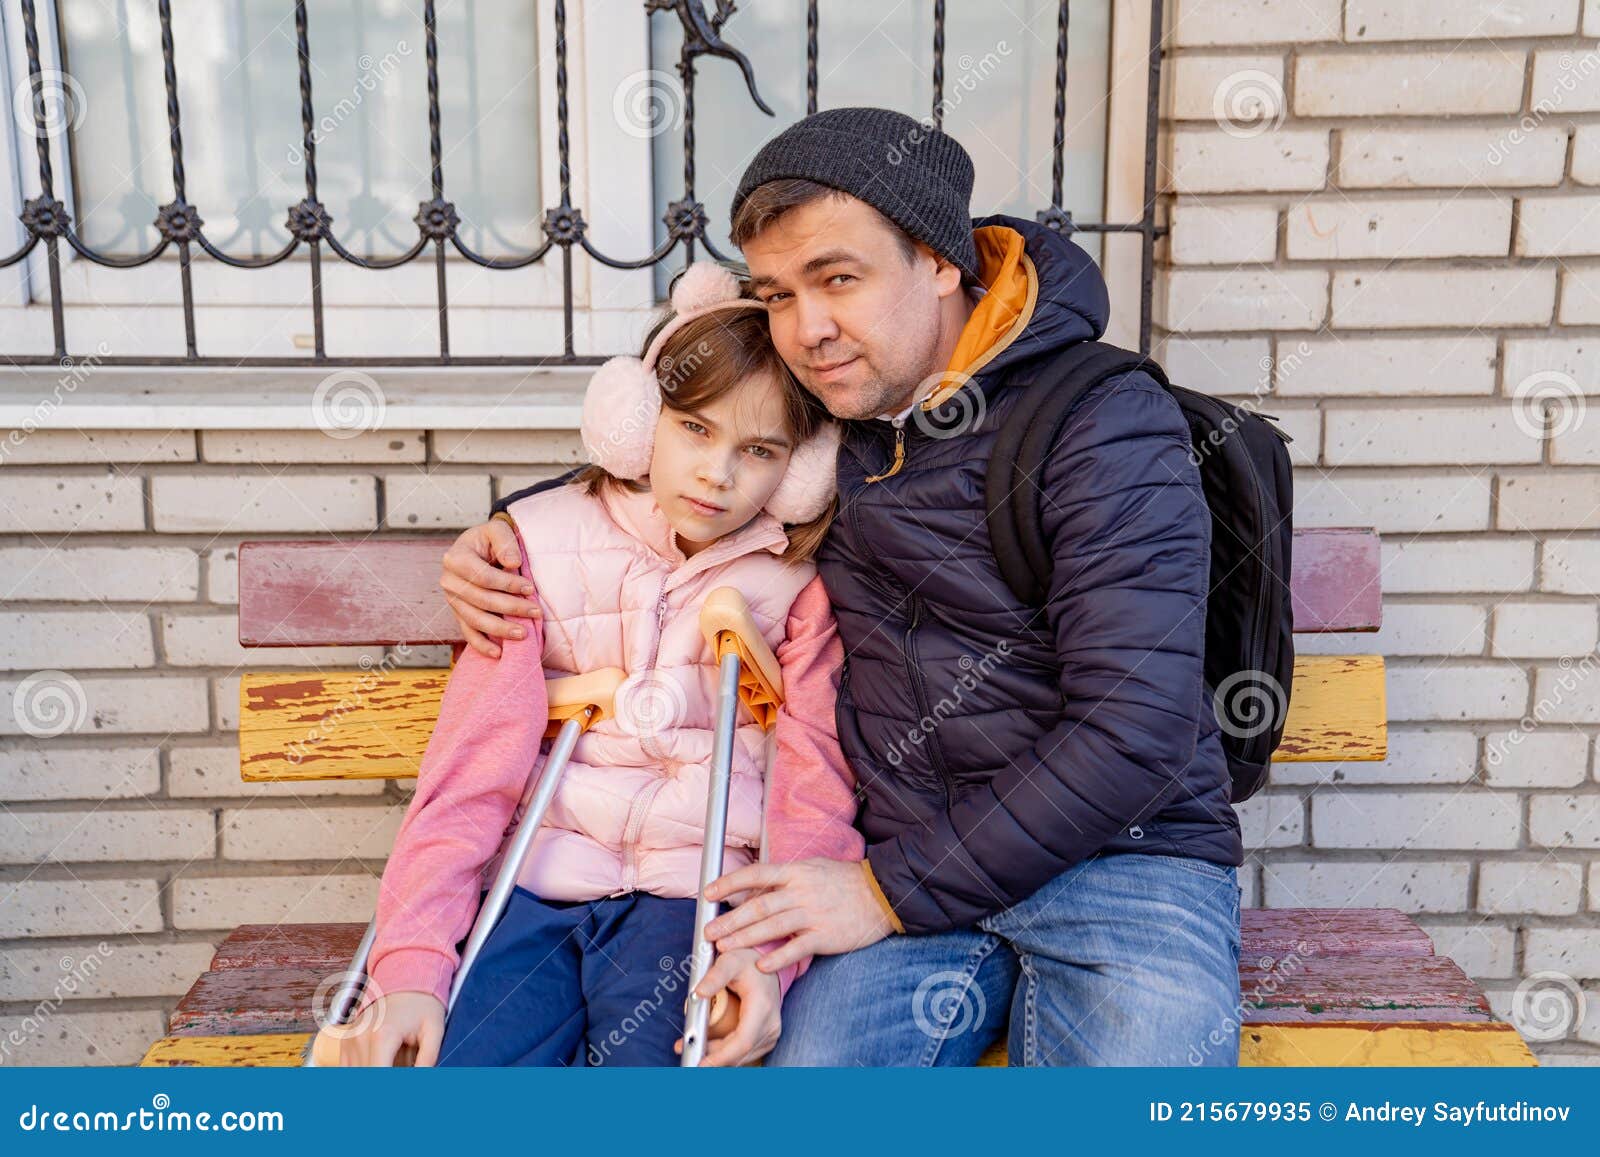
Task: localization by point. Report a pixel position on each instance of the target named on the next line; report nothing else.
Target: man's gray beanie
(915, 175)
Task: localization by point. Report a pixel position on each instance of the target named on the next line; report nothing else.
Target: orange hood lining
(1004, 311)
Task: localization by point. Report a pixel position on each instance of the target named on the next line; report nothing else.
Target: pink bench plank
(386, 591)
(1334, 582)
(241, 1001)
(300, 594)
(324, 946)
(1361, 988)
(1276, 932)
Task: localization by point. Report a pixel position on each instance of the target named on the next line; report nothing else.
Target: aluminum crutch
(748, 673)
(575, 704)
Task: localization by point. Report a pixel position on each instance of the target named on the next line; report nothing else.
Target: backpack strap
(1013, 494)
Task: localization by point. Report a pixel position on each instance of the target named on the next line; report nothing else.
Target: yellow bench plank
(298, 725)
(269, 1050)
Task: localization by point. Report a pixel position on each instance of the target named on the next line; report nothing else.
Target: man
(1046, 803)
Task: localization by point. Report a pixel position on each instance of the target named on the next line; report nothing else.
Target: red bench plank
(1361, 988)
(294, 594)
(325, 946)
(386, 591)
(1334, 582)
(239, 1001)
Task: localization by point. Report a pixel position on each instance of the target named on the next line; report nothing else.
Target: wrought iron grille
(180, 224)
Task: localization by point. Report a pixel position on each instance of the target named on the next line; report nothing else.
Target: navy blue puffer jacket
(991, 754)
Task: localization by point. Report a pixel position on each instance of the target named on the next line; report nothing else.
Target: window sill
(177, 398)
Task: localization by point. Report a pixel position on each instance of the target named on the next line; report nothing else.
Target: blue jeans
(1123, 959)
(576, 983)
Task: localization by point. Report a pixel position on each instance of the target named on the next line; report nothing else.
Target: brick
(417, 501)
(76, 574)
(1577, 357)
(1284, 160)
(1245, 299)
(1568, 692)
(1531, 755)
(1219, 365)
(1567, 501)
(1385, 367)
(1580, 295)
(253, 503)
(213, 772)
(1421, 756)
(103, 705)
(1236, 89)
(225, 703)
(1205, 22)
(208, 640)
(1435, 886)
(1334, 230)
(1272, 820)
(103, 835)
(1564, 82)
(1594, 885)
(1564, 821)
(1305, 427)
(1222, 234)
(1431, 436)
(92, 773)
(1410, 629)
(1395, 504)
(303, 446)
(31, 640)
(1586, 155)
(1457, 298)
(81, 907)
(1543, 630)
(1558, 227)
(1451, 158)
(553, 447)
(296, 833)
(79, 1038)
(1573, 951)
(1379, 20)
(1591, 18)
(1541, 888)
(1465, 820)
(222, 574)
(1408, 84)
(1422, 566)
(1573, 441)
(70, 503)
(45, 447)
(224, 902)
(106, 970)
(1571, 566)
(1479, 948)
(1456, 691)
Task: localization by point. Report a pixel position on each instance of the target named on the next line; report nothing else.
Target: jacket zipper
(935, 753)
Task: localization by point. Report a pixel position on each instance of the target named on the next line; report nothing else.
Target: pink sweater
(488, 735)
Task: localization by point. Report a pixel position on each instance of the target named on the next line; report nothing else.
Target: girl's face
(714, 467)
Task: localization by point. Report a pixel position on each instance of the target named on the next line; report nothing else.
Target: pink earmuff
(623, 404)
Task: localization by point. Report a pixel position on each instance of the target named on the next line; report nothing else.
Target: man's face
(858, 324)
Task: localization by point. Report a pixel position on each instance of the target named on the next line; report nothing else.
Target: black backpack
(1245, 473)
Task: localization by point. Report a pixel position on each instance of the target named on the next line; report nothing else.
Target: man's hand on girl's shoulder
(482, 582)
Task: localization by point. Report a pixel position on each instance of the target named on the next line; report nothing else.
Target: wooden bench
(1319, 986)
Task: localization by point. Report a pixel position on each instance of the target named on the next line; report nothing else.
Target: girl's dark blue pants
(595, 982)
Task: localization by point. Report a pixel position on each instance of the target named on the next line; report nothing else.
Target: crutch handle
(727, 626)
(571, 697)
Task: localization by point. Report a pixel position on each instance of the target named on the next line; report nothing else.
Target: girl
(711, 467)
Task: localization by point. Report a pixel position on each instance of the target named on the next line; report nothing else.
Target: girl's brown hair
(704, 360)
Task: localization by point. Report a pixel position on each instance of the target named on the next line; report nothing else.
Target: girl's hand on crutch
(397, 1030)
(759, 998)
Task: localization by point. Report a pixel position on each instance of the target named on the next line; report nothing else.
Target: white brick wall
(1434, 175)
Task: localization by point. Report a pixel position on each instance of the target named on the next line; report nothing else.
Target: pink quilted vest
(617, 592)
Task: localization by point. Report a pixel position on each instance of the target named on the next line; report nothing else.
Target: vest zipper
(919, 692)
(640, 806)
